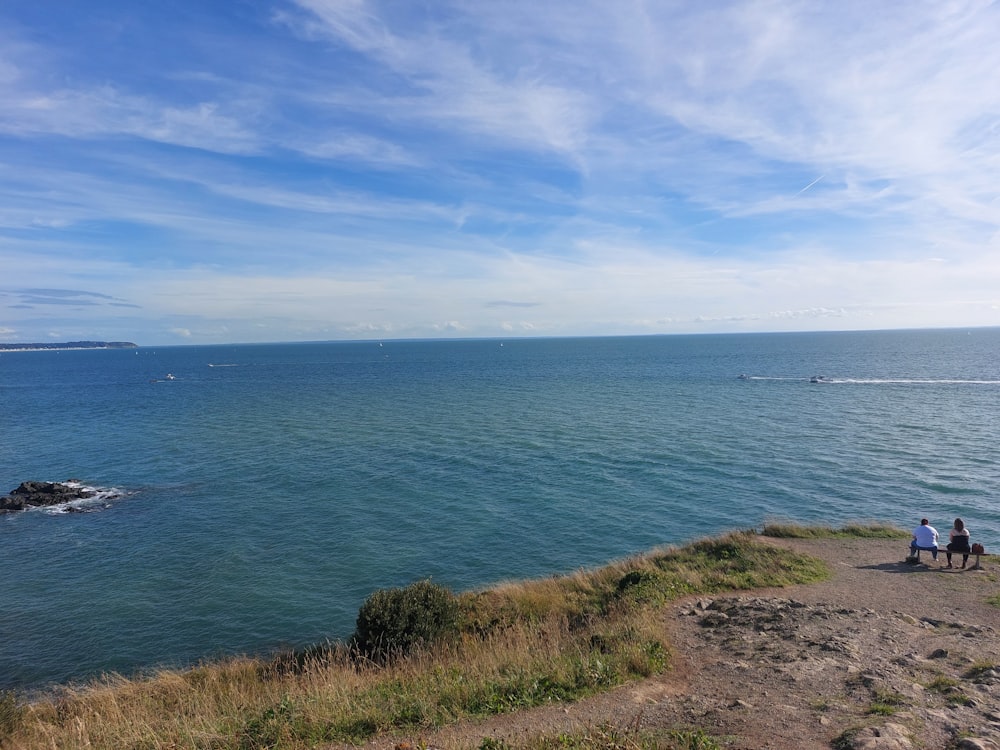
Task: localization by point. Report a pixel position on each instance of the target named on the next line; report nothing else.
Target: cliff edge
(882, 656)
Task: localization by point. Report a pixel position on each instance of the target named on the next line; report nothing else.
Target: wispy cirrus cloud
(336, 167)
(30, 298)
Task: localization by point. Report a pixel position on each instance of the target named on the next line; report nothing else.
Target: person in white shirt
(925, 537)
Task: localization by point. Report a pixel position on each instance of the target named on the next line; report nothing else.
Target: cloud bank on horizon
(356, 169)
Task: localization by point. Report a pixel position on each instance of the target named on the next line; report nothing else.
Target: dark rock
(40, 494)
(975, 743)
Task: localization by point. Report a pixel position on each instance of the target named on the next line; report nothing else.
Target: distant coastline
(69, 345)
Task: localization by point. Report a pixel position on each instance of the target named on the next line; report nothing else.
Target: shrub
(643, 587)
(395, 622)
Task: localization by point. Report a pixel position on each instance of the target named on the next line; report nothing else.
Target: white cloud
(350, 146)
(376, 168)
(107, 112)
(446, 81)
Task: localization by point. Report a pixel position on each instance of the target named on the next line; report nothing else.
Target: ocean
(255, 499)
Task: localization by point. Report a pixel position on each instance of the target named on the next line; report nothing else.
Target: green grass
(942, 684)
(959, 698)
(845, 740)
(871, 530)
(980, 670)
(951, 689)
(890, 697)
(886, 702)
(514, 646)
(882, 709)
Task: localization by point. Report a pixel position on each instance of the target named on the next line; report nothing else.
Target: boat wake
(875, 381)
(913, 381)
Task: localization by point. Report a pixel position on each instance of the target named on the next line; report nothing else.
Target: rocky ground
(885, 656)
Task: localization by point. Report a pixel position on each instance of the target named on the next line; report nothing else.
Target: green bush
(395, 622)
(643, 587)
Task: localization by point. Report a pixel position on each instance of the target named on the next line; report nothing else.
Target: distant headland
(69, 345)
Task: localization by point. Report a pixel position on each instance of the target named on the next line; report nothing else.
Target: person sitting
(925, 537)
(958, 541)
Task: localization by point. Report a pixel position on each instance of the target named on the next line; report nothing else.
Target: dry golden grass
(520, 644)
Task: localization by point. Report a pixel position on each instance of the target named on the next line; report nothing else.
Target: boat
(819, 379)
(170, 376)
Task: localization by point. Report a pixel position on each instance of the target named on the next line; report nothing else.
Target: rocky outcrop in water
(41, 494)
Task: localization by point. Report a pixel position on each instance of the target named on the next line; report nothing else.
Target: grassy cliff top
(424, 658)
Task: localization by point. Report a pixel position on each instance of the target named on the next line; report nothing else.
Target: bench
(942, 551)
(977, 555)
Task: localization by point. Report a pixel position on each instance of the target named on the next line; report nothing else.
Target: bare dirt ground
(884, 655)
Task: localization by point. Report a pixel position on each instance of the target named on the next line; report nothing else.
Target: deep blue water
(269, 489)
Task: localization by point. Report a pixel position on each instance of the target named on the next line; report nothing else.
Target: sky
(210, 171)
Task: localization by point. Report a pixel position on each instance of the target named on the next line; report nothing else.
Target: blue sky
(204, 171)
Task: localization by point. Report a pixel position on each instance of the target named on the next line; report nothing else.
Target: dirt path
(895, 655)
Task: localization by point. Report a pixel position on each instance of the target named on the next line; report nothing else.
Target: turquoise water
(268, 489)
